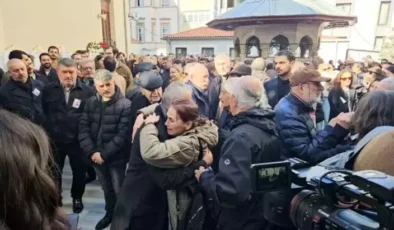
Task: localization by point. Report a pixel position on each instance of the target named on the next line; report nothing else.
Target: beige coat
(120, 82)
(177, 152)
(125, 72)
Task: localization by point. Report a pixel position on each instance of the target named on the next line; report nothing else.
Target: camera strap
(342, 160)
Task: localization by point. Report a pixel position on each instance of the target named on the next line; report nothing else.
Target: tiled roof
(201, 33)
(251, 12)
(266, 8)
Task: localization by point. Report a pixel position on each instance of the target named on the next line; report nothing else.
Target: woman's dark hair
(337, 80)
(187, 110)
(28, 197)
(375, 109)
(118, 55)
(97, 61)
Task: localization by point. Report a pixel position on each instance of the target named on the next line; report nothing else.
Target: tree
(387, 49)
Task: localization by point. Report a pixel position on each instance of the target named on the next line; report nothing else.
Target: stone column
(243, 52)
(293, 47)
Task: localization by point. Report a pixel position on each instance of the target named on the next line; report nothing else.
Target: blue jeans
(111, 178)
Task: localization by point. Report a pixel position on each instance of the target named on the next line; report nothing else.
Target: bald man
(253, 139)
(199, 83)
(258, 69)
(21, 94)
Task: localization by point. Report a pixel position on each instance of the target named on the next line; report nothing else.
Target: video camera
(323, 198)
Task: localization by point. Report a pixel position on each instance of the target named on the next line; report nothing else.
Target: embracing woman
(192, 136)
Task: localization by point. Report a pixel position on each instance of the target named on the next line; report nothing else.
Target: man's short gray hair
(175, 91)
(85, 62)
(67, 62)
(102, 75)
(247, 96)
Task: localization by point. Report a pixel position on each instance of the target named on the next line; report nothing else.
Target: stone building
(264, 27)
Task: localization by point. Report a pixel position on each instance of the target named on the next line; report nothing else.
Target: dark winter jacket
(340, 102)
(52, 75)
(202, 100)
(139, 102)
(23, 99)
(62, 118)
(40, 77)
(299, 136)
(105, 128)
(252, 139)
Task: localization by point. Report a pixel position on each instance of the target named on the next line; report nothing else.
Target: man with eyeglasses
(87, 69)
(295, 117)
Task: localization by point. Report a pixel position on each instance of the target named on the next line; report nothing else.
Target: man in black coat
(21, 94)
(142, 201)
(151, 92)
(252, 139)
(33, 73)
(63, 104)
(46, 68)
(105, 136)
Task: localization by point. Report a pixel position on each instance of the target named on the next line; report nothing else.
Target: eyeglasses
(346, 78)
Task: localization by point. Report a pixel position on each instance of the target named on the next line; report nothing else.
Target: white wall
(195, 46)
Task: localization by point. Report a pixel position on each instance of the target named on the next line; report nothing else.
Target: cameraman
(252, 139)
(296, 121)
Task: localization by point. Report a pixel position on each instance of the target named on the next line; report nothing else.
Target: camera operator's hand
(345, 119)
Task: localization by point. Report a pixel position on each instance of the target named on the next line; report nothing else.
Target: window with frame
(384, 13)
(232, 53)
(165, 2)
(140, 3)
(230, 3)
(208, 51)
(378, 42)
(345, 7)
(141, 32)
(165, 29)
(180, 52)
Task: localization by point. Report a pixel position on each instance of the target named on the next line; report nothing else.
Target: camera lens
(304, 210)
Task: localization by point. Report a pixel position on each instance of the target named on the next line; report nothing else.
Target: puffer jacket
(180, 151)
(298, 133)
(105, 128)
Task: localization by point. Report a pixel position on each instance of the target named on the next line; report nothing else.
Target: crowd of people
(171, 139)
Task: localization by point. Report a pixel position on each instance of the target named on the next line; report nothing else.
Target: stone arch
(277, 44)
(237, 48)
(306, 44)
(253, 47)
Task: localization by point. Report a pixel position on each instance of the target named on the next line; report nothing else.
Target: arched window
(253, 47)
(278, 43)
(237, 48)
(306, 44)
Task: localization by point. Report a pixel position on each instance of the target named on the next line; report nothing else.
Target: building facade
(375, 21)
(150, 21)
(33, 26)
(201, 41)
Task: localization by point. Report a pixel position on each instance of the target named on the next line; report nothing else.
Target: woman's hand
(208, 157)
(152, 119)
